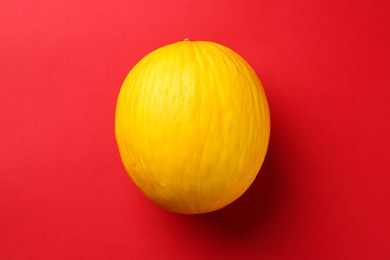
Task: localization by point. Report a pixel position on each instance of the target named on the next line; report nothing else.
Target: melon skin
(192, 125)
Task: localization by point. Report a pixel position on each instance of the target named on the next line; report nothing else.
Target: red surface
(323, 192)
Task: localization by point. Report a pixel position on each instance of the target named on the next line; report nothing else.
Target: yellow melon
(192, 125)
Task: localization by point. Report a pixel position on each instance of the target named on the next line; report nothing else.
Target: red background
(323, 192)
